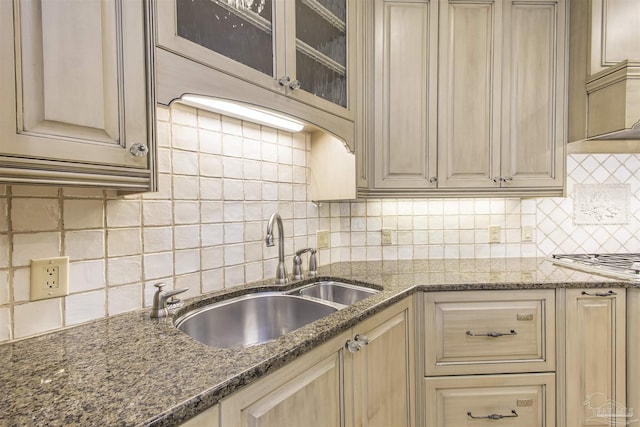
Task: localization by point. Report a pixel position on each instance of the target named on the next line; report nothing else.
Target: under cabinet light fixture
(242, 112)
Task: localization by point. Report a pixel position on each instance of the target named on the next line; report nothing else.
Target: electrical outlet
(494, 234)
(49, 278)
(322, 239)
(527, 234)
(386, 236)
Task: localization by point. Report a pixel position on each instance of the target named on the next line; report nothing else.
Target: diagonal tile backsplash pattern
(220, 180)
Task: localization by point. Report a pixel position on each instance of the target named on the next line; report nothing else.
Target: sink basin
(251, 319)
(338, 292)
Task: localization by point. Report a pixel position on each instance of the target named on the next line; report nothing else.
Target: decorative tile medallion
(601, 203)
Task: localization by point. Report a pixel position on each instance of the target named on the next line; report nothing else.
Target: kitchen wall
(220, 180)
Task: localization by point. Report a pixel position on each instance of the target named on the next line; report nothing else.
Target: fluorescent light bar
(242, 112)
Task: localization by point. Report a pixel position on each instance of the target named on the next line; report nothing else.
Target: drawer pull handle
(492, 334)
(609, 293)
(494, 416)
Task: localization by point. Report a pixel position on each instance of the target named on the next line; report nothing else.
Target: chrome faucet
(297, 264)
(281, 270)
(160, 298)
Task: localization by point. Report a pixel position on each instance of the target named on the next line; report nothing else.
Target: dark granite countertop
(130, 370)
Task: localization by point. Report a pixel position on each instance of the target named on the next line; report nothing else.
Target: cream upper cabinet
(297, 57)
(604, 59)
(595, 357)
(469, 98)
(615, 32)
(403, 152)
(501, 99)
(77, 93)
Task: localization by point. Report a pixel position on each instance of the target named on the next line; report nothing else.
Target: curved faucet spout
(281, 270)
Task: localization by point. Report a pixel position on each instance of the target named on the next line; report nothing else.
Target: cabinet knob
(295, 84)
(139, 150)
(499, 179)
(433, 179)
(357, 343)
(284, 80)
(291, 84)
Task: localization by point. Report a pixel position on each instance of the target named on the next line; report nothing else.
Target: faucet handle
(297, 263)
(160, 298)
(313, 263)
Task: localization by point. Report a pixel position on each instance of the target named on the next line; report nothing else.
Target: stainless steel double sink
(256, 318)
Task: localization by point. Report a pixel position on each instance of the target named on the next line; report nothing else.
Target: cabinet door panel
(595, 352)
(321, 49)
(469, 96)
(456, 325)
(383, 370)
(75, 84)
(453, 401)
(533, 131)
(405, 146)
(242, 34)
(312, 399)
(615, 33)
(310, 391)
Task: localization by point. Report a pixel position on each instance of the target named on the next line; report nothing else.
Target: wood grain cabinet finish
(604, 58)
(383, 370)
(595, 357)
(489, 332)
(208, 418)
(501, 98)
(332, 386)
(633, 350)
(486, 401)
(77, 91)
(312, 391)
(469, 98)
(404, 149)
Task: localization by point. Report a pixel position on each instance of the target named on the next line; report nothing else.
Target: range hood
(613, 103)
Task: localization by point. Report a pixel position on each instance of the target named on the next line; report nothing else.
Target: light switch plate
(49, 278)
(494, 234)
(527, 234)
(386, 236)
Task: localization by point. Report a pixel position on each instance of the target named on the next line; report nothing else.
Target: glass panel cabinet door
(321, 48)
(238, 29)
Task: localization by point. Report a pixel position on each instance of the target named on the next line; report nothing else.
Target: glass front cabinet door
(300, 48)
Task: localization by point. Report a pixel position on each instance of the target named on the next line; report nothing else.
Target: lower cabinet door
(514, 400)
(308, 392)
(384, 369)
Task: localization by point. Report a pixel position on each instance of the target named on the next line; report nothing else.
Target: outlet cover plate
(49, 278)
(322, 239)
(494, 233)
(386, 236)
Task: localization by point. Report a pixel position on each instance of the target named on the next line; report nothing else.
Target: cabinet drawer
(489, 332)
(522, 400)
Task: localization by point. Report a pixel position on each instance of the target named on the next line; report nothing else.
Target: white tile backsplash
(80, 308)
(37, 317)
(220, 180)
(124, 298)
